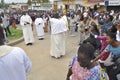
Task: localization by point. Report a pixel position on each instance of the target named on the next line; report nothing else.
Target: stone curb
(12, 43)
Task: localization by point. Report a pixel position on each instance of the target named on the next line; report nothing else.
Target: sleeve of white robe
(42, 22)
(22, 21)
(36, 22)
(30, 20)
(27, 62)
(39, 20)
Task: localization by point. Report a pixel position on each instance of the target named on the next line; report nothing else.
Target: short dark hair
(87, 50)
(112, 35)
(111, 17)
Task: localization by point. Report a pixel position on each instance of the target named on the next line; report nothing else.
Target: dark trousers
(111, 72)
(7, 30)
(76, 28)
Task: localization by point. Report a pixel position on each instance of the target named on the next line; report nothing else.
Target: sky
(17, 1)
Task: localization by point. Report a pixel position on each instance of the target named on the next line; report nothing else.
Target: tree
(38, 1)
(4, 5)
(29, 2)
(43, 1)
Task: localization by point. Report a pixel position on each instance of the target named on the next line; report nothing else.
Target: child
(103, 46)
(113, 47)
(81, 67)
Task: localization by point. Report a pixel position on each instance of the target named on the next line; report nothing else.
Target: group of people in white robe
(58, 26)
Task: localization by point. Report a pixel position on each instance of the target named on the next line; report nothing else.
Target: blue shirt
(114, 51)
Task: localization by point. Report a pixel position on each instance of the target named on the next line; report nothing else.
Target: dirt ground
(44, 67)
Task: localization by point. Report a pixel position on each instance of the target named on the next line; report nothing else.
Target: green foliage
(1, 5)
(42, 1)
(4, 5)
(39, 1)
(45, 1)
(29, 2)
(16, 34)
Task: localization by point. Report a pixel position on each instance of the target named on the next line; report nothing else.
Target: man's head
(24, 12)
(85, 54)
(111, 38)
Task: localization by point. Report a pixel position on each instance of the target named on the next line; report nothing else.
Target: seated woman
(114, 47)
(81, 67)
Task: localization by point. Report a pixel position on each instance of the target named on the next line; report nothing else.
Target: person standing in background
(45, 18)
(5, 22)
(39, 23)
(58, 29)
(25, 22)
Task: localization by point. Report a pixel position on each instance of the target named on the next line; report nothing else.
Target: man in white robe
(14, 63)
(58, 29)
(25, 22)
(39, 24)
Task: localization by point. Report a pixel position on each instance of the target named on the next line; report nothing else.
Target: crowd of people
(99, 39)
(101, 30)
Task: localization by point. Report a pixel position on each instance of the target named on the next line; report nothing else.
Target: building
(112, 5)
(40, 6)
(74, 4)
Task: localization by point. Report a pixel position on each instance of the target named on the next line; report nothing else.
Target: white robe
(27, 29)
(39, 23)
(64, 18)
(14, 64)
(58, 29)
(118, 36)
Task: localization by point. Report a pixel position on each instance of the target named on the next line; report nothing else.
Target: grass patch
(16, 34)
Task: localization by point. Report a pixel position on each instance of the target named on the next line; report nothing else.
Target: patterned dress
(80, 73)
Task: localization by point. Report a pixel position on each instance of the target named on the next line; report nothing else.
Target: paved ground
(44, 66)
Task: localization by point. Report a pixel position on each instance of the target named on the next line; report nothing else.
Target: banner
(95, 1)
(113, 2)
(68, 1)
(85, 1)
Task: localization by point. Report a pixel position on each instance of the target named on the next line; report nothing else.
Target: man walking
(25, 22)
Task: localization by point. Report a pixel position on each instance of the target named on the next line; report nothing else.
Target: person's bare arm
(69, 74)
(99, 56)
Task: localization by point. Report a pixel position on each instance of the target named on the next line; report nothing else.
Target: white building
(40, 6)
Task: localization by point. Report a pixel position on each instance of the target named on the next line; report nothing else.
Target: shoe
(55, 57)
(30, 44)
(80, 43)
(41, 39)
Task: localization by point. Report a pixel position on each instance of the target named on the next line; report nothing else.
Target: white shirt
(57, 26)
(14, 65)
(118, 36)
(24, 19)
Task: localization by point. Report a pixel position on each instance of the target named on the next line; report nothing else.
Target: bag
(103, 75)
